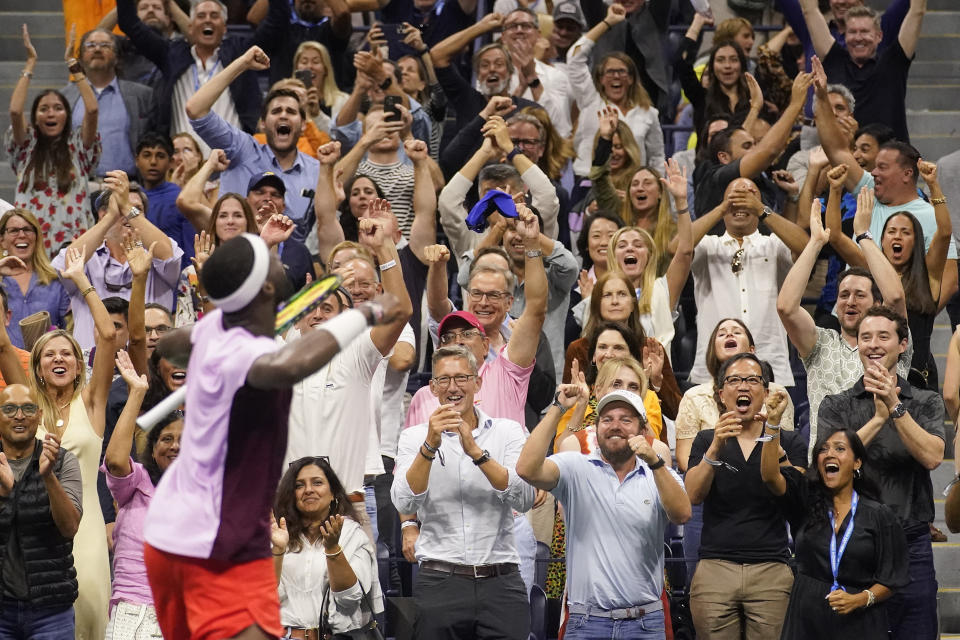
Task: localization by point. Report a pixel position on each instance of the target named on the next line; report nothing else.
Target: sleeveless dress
(90, 556)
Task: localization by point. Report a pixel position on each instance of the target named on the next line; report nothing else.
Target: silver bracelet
(712, 463)
(409, 523)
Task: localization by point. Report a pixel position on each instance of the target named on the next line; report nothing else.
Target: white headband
(247, 291)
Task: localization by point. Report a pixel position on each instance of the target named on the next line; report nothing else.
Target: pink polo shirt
(132, 493)
(503, 394)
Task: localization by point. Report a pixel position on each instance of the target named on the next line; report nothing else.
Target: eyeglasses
(452, 336)
(736, 381)
(160, 329)
(15, 231)
(520, 26)
(305, 459)
(525, 142)
(10, 410)
(610, 73)
(736, 264)
(461, 379)
(493, 296)
(90, 46)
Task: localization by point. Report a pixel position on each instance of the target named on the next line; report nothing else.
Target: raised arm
(817, 26)
(329, 231)
(200, 103)
(445, 50)
(438, 304)
(192, 201)
(140, 261)
(763, 154)
(951, 380)
(371, 234)
(532, 465)
(295, 361)
(886, 277)
(522, 347)
(842, 244)
(88, 128)
(910, 29)
(776, 403)
(19, 96)
(148, 42)
(792, 235)
(98, 387)
(800, 327)
(117, 456)
(937, 252)
(832, 138)
(423, 231)
(679, 269)
(118, 182)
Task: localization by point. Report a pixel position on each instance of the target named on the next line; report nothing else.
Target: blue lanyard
(196, 77)
(835, 554)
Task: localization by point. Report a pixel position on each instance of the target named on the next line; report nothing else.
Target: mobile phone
(390, 108)
(305, 76)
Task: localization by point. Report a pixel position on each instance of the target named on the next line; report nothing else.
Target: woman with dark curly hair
(851, 550)
(340, 589)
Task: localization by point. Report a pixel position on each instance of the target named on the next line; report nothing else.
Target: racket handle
(163, 408)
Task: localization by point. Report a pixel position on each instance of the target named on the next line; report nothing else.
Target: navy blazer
(173, 57)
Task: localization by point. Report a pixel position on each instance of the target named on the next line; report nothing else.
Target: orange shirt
(24, 362)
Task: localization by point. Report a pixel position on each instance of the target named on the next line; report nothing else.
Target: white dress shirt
(464, 519)
(556, 99)
(750, 296)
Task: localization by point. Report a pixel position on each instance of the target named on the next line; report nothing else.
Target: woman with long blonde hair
(324, 97)
(32, 285)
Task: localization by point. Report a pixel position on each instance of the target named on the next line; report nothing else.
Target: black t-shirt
(879, 86)
(742, 520)
(711, 180)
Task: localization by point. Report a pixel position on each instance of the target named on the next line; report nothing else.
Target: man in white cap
(617, 502)
(207, 530)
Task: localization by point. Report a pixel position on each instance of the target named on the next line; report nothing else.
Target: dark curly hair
(820, 501)
(634, 342)
(285, 505)
(153, 436)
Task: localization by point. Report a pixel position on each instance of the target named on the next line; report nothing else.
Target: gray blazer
(137, 98)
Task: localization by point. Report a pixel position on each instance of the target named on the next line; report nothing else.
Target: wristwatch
(513, 154)
(485, 457)
(133, 213)
(898, 411)
(866, 235)
(534, 253)
(766, 212)
(386, 83)
(556, 400)
(533, 84)
(656, 465)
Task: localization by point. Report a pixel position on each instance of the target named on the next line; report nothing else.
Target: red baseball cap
(465, 316)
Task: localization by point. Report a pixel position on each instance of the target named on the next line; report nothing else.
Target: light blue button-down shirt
(614, 532)
(248, 157)
(113, 123)
(465, 520)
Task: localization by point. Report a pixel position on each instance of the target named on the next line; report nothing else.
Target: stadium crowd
(627, 281)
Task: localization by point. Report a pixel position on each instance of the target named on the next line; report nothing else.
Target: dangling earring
(76, 381)
(43, 382)
(856, 474)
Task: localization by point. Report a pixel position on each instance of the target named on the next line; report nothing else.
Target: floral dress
(63, 215)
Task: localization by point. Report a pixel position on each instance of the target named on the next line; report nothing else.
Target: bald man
(738, 274)
(40, 508)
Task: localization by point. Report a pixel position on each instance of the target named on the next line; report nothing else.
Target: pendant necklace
(59, 419)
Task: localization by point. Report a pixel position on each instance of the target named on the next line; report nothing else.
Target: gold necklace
(59, 419)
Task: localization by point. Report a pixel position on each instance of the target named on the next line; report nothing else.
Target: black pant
(461, 608)
(387, 522)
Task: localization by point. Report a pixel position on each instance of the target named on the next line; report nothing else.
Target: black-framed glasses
(736, 381)
(310, 459)
(10, 410)
(160, 329)
(15, 231)
(460, 379)
(736, 264)
(526, 143)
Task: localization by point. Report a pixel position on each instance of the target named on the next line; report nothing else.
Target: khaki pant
(727, 598)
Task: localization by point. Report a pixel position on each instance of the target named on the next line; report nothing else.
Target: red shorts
(209, 599)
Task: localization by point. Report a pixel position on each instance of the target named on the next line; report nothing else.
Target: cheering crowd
(682, 287)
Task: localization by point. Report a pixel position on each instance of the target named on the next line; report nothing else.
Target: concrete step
(937, 47)
(946, 559)
(941, 5)
(34, 5)
(941, 23)
(40, 23)
(933, 96)
(44, 74)
(925, 122)
(948, 605)
(933, 148)
(49, 47)
(934, 70)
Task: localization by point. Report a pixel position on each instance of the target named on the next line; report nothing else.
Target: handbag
(370, 631)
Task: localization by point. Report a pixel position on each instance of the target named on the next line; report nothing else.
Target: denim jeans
(586, 627)
(912, 611)
(20, 620)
